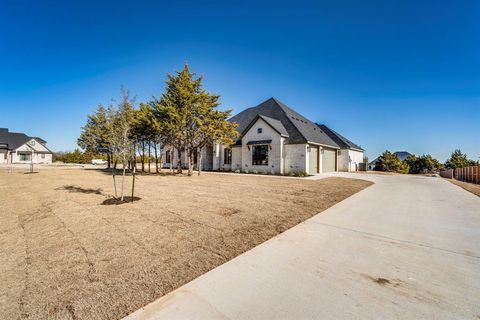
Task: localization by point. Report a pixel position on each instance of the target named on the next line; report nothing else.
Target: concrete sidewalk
(407, 247)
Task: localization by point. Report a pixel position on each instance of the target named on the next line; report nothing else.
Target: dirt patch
(118, 201)
(382, 281)
(63, 255)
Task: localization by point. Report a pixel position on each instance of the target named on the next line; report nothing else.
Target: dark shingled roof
(275, 124)
(299, 128)
(14, 140)
(341, 141)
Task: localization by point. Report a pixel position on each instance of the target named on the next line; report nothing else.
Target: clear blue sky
(397, 75)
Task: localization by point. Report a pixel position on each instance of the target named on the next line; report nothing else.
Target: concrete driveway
(407, 247)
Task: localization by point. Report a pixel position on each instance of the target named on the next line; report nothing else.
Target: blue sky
(397, 75)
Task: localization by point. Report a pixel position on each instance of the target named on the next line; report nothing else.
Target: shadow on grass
(128, 173)
(116, 202)
(71, 188)
(30, 172)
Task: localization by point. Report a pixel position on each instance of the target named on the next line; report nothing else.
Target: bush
(390, 162)
(297, 174)
(459, 160)
(423, 164)
(77, 157)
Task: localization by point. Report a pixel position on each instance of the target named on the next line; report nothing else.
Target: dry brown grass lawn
(65, 256)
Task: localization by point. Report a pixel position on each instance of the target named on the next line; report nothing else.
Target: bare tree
(122, 143)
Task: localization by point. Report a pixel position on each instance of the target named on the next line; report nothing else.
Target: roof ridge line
(288, 118)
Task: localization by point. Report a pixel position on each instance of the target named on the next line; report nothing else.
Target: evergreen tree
(459, 160)
(188, 116)
(413, 163)
(94, 136)
(423, 164)
(390, 162)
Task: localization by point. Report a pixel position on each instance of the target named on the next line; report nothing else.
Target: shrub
(459, 160)
(255, 172)
(390, 162)
(423, 164)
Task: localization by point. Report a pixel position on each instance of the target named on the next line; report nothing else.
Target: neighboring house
(402, 155)
(20, 148)
(277, 139)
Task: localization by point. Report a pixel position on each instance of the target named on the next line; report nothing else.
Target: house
(402, 155)
(20, 148)
(350, 155)
(276, 139)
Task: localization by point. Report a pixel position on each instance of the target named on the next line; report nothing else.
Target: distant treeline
(390, 162)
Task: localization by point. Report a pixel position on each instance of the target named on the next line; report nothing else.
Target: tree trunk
(160, 160)
(199, 161)
(149, 155)
(179, 161)
(114, 182)
(156, 157)
(108, 160)
(143, 156)
(190, 162)
(123, 180)
(133, 182)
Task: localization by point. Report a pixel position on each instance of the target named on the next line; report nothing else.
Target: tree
(413, 163)
(390, 162)
(94, 137)
(213, 127)
(145, 132)
(459, 160)
(423, 164)
(120, 134)
(188, 117)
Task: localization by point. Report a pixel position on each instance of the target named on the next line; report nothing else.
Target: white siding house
(20, 148)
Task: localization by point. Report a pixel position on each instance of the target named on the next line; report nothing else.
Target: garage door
(313, 161)
(328, 160)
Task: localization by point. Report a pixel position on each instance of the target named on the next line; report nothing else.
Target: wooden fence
(467, 174)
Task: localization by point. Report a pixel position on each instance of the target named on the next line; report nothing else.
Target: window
(259, 130)
(167, 157)
(43, 155)
(260, 155)
(227, 156)
(24, 157)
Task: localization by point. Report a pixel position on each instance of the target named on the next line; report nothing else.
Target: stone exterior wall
(296, 159)
(275, 151)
